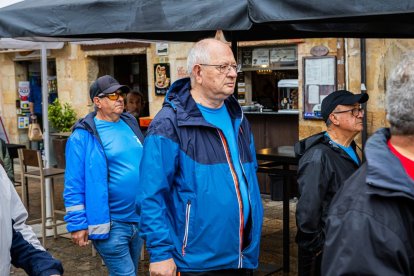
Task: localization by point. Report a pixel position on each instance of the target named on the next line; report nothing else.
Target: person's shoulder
(352, 194)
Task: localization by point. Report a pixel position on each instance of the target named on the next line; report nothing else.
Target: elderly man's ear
(333, 119)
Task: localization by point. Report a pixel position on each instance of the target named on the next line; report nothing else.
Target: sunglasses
(112, 96)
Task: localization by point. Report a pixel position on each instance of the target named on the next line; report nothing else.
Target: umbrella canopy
(191, 20)
(335, 18)
(188, 20)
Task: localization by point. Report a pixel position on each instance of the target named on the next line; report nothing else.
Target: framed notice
(319, 80)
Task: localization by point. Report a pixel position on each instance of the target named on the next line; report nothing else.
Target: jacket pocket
(186, 226)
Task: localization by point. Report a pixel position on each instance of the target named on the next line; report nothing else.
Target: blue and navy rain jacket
(87, 177)
(189, 198)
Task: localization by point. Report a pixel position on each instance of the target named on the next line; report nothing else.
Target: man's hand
(80, 237)
(163, 268)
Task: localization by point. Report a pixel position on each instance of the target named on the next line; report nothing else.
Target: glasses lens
(226, 68)
(356, 111)
(114, 96)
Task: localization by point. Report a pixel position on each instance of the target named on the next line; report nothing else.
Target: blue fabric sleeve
(74, 191)
(34, 261)
(157, 170)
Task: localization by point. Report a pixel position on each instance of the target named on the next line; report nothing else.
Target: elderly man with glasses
(199, 200)
(370, 225)
(103, 156)
(327, 159)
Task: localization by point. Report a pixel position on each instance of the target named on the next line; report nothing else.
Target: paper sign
(313, 94)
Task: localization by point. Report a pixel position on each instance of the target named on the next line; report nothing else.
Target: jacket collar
(384, 168)
(320, 138)
(188, 114)
(88, 124)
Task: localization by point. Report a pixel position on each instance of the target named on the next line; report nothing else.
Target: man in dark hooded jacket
(327, 159)
(370, 225)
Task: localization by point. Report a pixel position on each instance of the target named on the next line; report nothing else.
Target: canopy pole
(45, 104)
(364, 90)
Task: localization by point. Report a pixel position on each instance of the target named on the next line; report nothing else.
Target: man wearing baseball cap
(327, 159)
(103, 155)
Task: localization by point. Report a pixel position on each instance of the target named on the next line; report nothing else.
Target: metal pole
(45, 103)
(364, 90)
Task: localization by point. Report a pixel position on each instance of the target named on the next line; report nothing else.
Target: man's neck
(343, 138)
(200, 98)
(404, 144)
(105, 117)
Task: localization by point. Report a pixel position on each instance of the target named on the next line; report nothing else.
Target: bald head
(202, 51)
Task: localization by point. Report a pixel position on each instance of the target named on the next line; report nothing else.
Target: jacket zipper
(187, 223)
(237, 188)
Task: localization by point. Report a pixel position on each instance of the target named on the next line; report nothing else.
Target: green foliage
(62, 117)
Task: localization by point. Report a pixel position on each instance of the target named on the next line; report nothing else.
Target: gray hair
(400, 97)
(198, 54)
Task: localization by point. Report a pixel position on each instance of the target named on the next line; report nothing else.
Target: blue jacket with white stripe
(86, 178)
(189, 200)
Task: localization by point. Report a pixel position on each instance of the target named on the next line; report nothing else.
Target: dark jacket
(370, 227)
(189, 195)
(323, 167)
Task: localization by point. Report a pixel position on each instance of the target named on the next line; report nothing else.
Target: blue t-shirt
(123, 151)
(220, 118)
(349, 150)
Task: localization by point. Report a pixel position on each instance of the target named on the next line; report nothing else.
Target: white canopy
(288, 83)
(10, 43)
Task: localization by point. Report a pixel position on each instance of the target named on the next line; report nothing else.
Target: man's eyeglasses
(112, 96)
(355, 111)
(224, 68)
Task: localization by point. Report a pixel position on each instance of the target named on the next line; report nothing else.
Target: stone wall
(77, 69)
(177, 58)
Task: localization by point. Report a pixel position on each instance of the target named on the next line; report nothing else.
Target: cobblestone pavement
(79, 261)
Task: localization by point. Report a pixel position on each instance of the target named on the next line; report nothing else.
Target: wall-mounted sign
(319, 81)
(247, 58)
(161, 48)
(282, 55)
(22, 122)
(24, 104)
(24, 89)
(261, 57)
(162, 78)
(319, 51)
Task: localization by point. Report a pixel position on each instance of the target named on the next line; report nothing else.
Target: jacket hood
(305, 144)
(180, 99)
(384, 168)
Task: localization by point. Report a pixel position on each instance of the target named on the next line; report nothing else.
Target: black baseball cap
(106, 85)
(340, 97)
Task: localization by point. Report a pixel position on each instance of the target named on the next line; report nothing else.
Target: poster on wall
(162, 78)
(319, 81)
(24, 90)
(22, 122)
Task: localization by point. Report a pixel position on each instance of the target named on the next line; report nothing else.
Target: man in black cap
(327, 159)
(103, 156)
(370, 224)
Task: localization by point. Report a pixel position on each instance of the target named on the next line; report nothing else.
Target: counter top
(280, 112)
